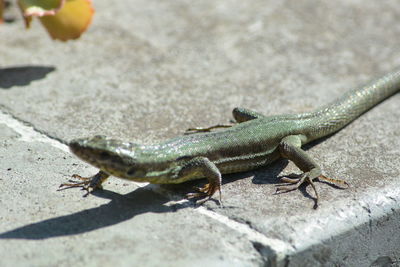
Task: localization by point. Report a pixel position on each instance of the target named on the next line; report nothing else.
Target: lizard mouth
(96, 153)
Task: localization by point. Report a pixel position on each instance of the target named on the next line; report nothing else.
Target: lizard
(253, 141)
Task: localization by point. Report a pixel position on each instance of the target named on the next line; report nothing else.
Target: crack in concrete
(273, 251)
(29, 133)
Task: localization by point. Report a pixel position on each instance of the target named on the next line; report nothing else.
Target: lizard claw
(89, 184)
(85, 184)
(342, 183)
(205, 193)
(74, 183)
(292, 184)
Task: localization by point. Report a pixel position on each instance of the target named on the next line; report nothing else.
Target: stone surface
(44, 227)
(148, 70)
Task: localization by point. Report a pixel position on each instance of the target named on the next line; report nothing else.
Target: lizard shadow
(272, 173)
(23, 75)
(125, 207)
(119, 209)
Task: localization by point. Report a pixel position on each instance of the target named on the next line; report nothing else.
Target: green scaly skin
(255, 141)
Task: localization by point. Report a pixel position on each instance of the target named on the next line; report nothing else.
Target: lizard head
(122, 159)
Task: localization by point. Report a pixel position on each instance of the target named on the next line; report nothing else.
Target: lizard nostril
(131, 171)
(75, 146)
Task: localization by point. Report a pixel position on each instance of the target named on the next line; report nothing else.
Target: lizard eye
(131, 171)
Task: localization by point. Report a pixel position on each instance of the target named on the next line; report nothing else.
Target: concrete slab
(157, 68)
(147, 70)
(43, 227)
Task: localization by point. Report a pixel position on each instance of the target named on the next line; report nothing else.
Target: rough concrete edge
(274, 252)
(371, 206)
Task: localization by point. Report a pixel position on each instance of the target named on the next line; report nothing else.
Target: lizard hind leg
(207, 129)
(290, 148)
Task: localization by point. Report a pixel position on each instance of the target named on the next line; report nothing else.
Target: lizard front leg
(290, 148)
(88, 183)
(244, 114)
(239, 114)
(206, 168)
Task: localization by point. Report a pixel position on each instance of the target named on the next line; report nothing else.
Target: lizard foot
(290, 184)
(89, 184)
(205, 193)
(293, 182)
